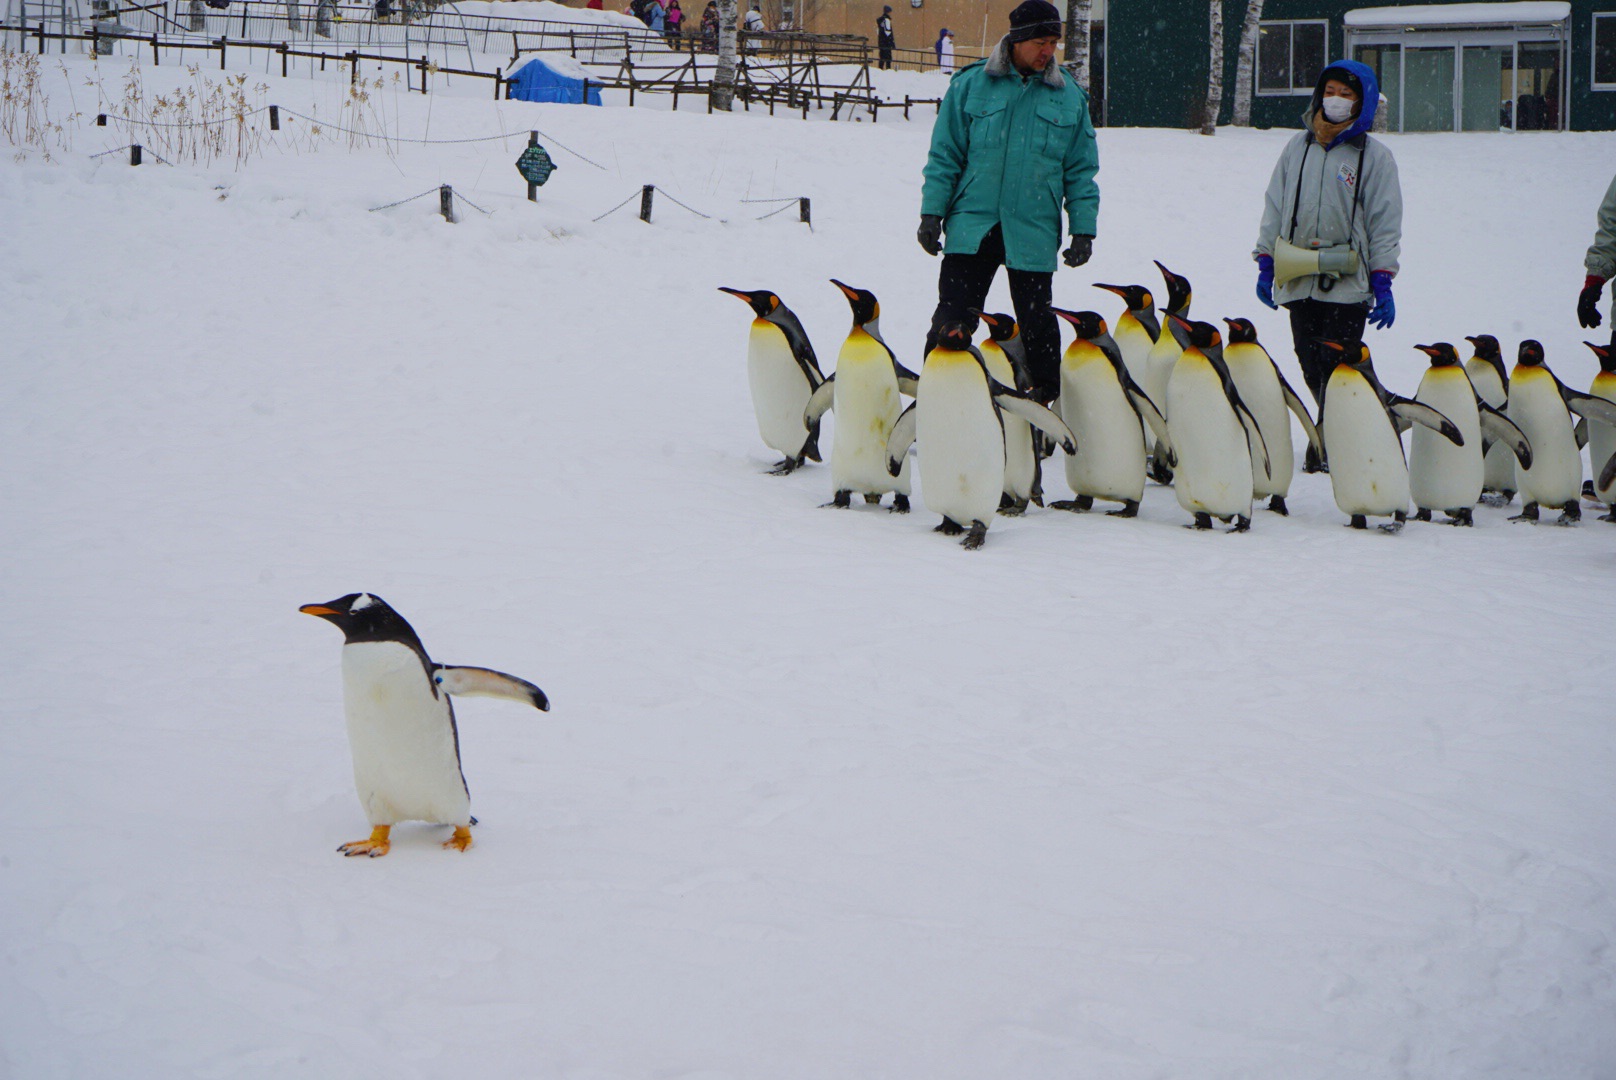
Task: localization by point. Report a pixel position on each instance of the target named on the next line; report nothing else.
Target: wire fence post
(807, 217)
(274, 118)
(446, 203)
(134, 154)
(532, 188)
(646, 194)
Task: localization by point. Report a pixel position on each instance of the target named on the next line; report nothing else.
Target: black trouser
(962, 287)
(883, 57)
(1316, 321)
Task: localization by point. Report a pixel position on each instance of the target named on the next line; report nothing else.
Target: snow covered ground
(822, 795)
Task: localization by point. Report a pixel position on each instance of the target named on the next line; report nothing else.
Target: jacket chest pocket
(1057, 127)
(987, 124)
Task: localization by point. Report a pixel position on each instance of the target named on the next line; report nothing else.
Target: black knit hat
(1034, 19)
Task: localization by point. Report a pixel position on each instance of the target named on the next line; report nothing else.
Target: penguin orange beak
(1069, 316)
(1117, 289)
(1428, 350)
(989, 319)
(847, 290)
(735, 292)
(1179, 319)
(317, 609)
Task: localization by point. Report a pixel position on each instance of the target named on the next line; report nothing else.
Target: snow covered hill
(822, 795)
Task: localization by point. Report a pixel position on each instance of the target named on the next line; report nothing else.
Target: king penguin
(1136, 329)
(1361, 423)
(957, 419)
(1491, 380)
(1213, 433)
(783, 373)
(1441, 475)
(1005, 355)
(1164, 355)
(1104, 408)
(864, 391)
(1602, 436)
(401, 725)
(1268, 395)
(1546, 410)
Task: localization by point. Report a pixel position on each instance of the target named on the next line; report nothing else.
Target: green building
(1530, 65)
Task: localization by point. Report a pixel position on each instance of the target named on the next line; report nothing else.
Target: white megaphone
(1334, 261)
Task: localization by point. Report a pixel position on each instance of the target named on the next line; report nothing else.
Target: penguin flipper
(1415, 412)
(485, 682)
(901, 439)
(1607, 475)
(1499, 427)
(1581, 432)
(1297, 406)
(1035, 414)
(819, 402)
(908, 381)
(1148, 411)
(1591, 408)
(1254, 435)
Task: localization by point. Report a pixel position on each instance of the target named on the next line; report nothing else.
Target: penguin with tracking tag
(401, 724)
(783, 373)
(1268, 395)
(958, 421)
(1361, 422)
(1441, 475)
(864, 390)
(1005, 355)
(1546, 410)
(1104, 408)
(1213, 433)
(1601, 436)
(1491, 379)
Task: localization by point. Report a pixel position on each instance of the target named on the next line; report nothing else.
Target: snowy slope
(822, 795)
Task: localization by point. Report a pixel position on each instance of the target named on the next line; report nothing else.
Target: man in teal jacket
(1012, 145)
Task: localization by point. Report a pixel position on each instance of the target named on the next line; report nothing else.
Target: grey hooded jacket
(1319, 184)
(1602, 255)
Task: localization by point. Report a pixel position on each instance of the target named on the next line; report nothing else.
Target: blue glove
(1385, 310)
(1265, 280)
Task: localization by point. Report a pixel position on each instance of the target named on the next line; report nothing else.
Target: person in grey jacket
(1601, 264)
(1334, 184)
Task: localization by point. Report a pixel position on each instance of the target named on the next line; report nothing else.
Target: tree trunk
(723, 90)
(1077, 40)
(1245, 75)
(198, 21)
(294, 17)
(322, 17)
(1214, 77)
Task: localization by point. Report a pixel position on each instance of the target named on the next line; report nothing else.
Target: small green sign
(535, 165)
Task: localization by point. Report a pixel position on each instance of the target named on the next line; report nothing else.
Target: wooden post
(423, 74)
(134, 154)
(101, 120)
(906, 106)
(645, 202)
(628, 65)
(807, 218)
(154, 57)
(274, 118)
(532, 188)
(283, 59)
(675, 97)
(446, 203)
(221, 54)
(353, 76)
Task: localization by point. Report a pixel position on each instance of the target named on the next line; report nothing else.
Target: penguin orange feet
(900, 504)
(973, 538)
(461, 840)
(375, 847)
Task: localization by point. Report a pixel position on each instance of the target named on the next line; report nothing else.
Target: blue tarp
(538, 81)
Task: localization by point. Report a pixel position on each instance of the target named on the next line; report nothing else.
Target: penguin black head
(1203, 335)
(1000, 327)
(1241, 331)
(1606, 354)
(1137, 297)
(866, 309)
(1352, 353)
(1088, 324)
(1442, 354)
(954, 335)
(762, 301)
(364, 617)
(1178, 291)
(1530, 353)
(1486, 346)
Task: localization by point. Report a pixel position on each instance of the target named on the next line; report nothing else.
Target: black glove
(1078, 251)
(930, 233)
(1588, 302)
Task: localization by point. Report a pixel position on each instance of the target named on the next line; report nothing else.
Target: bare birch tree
(1077, 40)
(1245, 72)
(723, 89)
(1214, 77)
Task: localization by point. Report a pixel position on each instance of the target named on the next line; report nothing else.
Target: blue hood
(1370, 96)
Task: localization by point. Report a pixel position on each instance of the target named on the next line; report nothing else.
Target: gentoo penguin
(1159, 365)
(1442, 476)
(1602, 437)
(1005, 354)
(1213, 433)
(783, 372)
(1268, 395)
(957, 419)
(401, 725)
(1104, 408)
(1360, 421)
(1491, 380)
(864, 391)
(1546, 410)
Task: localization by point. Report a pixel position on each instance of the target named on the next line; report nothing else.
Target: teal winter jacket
(1011, 151)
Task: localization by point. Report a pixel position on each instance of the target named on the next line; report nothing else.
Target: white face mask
(1337, 109)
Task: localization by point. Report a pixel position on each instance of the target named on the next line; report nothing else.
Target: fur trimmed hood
(998, 66)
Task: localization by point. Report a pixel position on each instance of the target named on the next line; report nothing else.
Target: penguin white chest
(1602, 437)
(867, 405)
(1442, 476)
(1214, 458)
(1110, 458)
(780, 390)
(1535, 404)
(1368, 473)
(406, 764)
(1499, 463)
(961, 442)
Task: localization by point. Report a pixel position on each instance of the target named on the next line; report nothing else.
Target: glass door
(1486, 100)
(1386, 62)
(1537, 86)
(1428, 77)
